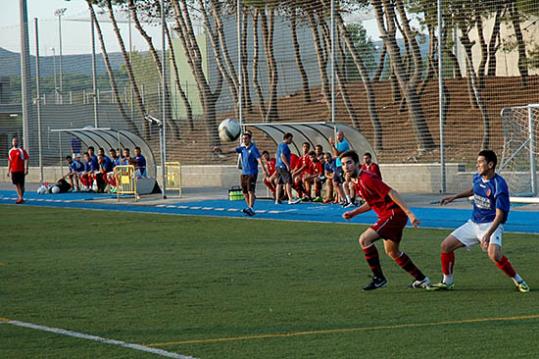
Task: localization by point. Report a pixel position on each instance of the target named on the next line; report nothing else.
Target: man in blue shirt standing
(339, 147)
(283, 168)
(490, 211)
(250, 159)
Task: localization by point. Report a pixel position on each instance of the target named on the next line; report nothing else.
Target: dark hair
(264, 152)
(101, 149)
(137, 148)
(307, 143)
(248, 133)
(287, 135)
(367, 154)
(352, 154)
(86, 154)
(112, 150)
(319, 146)
(490, 156)
(311, 153)
(91, 148)
(329, 154)
(127, 149)
(69, 158)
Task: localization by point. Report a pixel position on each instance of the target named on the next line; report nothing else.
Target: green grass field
(235, 288)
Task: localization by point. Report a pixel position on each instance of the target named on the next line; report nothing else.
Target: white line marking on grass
(195, 207)
(171, 207)
(207, 208)
(220, 209)
(183, 207)
(94, 338)
(343, 330)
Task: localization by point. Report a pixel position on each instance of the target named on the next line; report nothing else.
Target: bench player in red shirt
(392, 213)
(17, 167)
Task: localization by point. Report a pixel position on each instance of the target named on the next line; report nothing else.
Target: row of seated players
(314, 169)
(97, 172)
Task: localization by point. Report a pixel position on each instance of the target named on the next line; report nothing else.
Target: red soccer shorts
(391, 227)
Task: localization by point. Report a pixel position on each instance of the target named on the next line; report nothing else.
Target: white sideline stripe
(95, 338)
(183, 207)
(171, 207)
(220, 209)
(161, 205)
(196, 207)
(207, 208)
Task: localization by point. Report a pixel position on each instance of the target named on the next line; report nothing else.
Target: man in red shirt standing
(392, 213)
(17, 167)
(370, 166)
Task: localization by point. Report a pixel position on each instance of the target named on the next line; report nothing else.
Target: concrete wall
(406, 178)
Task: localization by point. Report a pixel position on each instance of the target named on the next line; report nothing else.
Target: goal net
(518, 162)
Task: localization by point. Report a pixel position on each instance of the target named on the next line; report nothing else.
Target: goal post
(518, 162)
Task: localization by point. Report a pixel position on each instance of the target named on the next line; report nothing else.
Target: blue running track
(446, 218)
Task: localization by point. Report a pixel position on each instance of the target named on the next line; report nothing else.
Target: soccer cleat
(377, 282)
(246, 211)
(522, 287)
(278, 202)
(317, 199)
(441, 286)
(423, 284)
(250, 212)
(19, 201)
(294, 201)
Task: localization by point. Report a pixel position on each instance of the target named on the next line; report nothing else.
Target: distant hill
(72, 64)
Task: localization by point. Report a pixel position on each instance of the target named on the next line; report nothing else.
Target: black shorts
(248, 183)
(17, 178)
(283, 176)
(338, 175)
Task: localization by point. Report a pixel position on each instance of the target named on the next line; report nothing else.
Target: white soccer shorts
(471, 233)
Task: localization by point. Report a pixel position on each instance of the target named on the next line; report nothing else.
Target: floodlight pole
(60, 13)
(94, 76)
(26, 93)
(332, 64)
(38, 103)
(163, 101)
(441, 100)
(240, 74)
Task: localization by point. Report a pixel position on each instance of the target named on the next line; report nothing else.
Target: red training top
(375, 193)
(16, 157)
(372, 168)
(271, 166)
(306, 162)
(294, 161)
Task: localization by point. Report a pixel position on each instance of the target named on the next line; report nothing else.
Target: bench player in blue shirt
(490, 210)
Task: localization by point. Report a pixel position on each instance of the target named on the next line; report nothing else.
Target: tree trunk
(169, 120)
(409, 34)
(423, 136)
(247, 102)
(219, 47)
(477, 90)
(297, 54)
(130, 124)
(431, 61)
(367, 84)
(484, 51)
(381, 64)
(492, 46)
(256, 54)
(268, 23)
(129, 68)
(183, 95)
(184, 27)
(321, 56)
(340, 81)
(521, 45)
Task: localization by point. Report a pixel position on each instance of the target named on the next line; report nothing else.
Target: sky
(75, 34)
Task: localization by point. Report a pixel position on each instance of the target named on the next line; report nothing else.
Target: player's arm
(500, 214)
(450, 199)
(359, 210)
(25, 164)
(400, 202)
(266, 172)
(8, 166)
(285, 161)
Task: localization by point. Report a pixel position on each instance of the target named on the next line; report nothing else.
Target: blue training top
(282, 149)
(249, 159)
(76, 166)
(330, 167)
(342, 146)
(489, 195)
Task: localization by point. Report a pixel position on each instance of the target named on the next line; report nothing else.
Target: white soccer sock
(517, 279)
(348, 198)
(448, 279)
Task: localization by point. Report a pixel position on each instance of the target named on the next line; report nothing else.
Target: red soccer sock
(406, 263)
(371, 255)
(448, 262)
(506, 267)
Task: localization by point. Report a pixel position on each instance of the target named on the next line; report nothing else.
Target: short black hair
(490, 156)
(307, 143)
(69, 157)
(137, 148)
(311, 153)
(319, 146)
(112, 150)
(264, 152)
(287, 135)
(248, 133)
(126, 149)
(367, 154)
(352, 154)
(91, 148)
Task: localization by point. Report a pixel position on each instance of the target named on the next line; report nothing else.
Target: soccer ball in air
(229, 130)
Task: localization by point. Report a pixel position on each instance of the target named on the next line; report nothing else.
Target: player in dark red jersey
(392, 213)
(270, 180)
(17, 168)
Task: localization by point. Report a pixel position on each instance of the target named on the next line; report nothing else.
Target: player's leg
(461, 237)
(392, 250)
(495, 254)
(366, 241)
